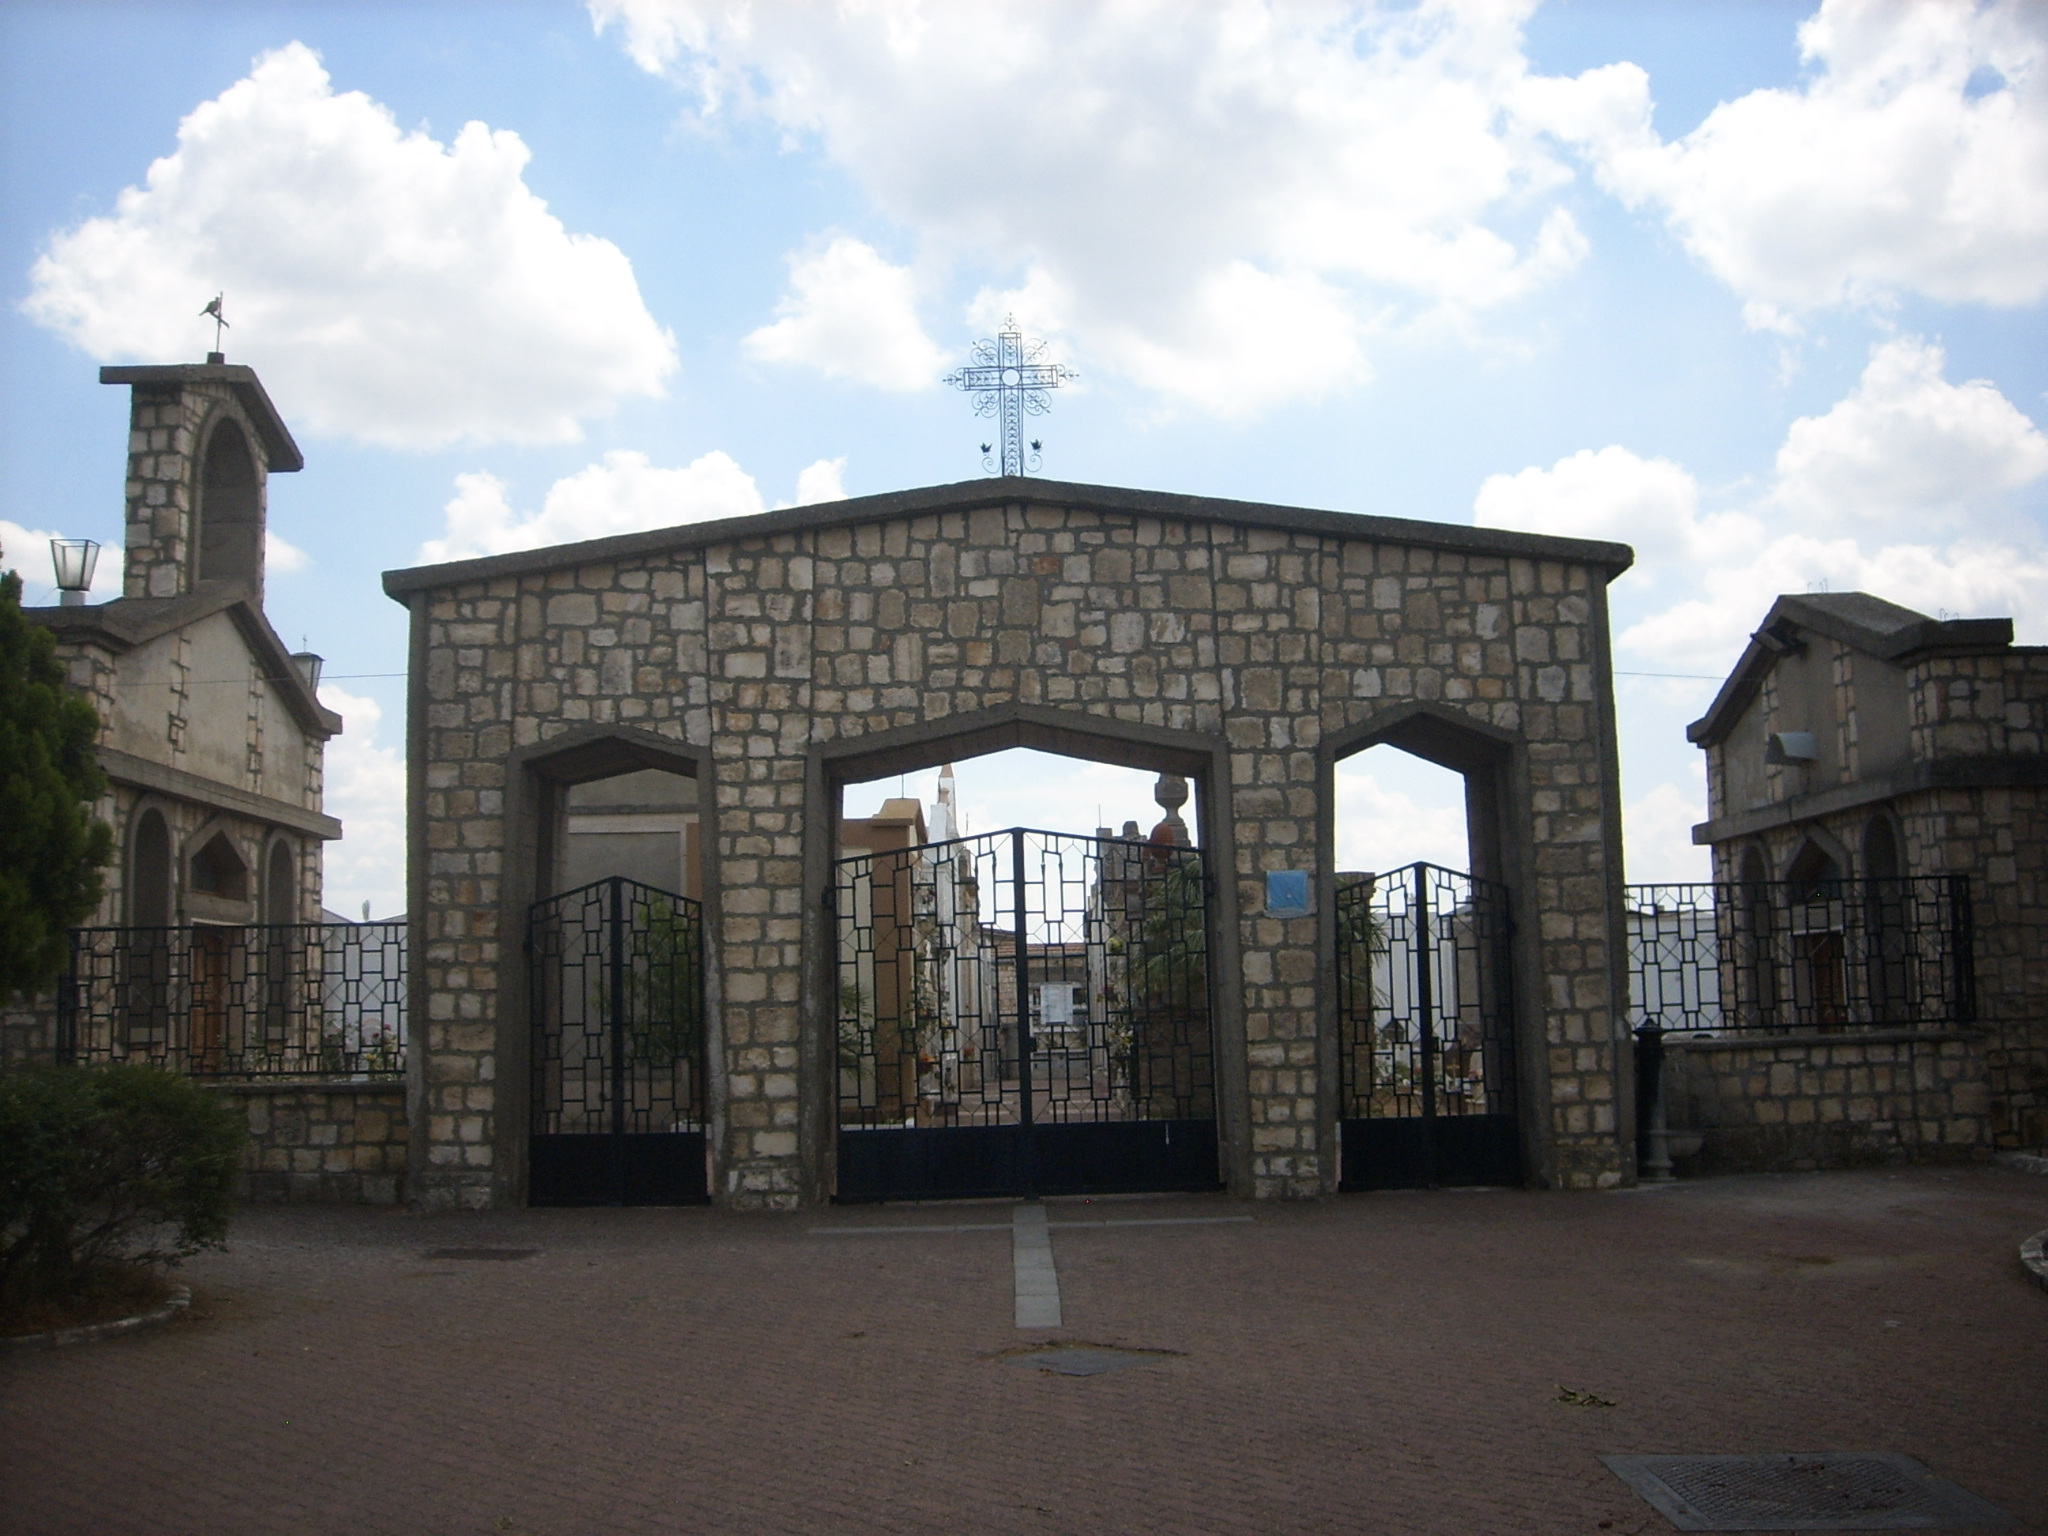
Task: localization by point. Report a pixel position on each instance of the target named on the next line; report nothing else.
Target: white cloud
(1908, 449)
(623, 493)
(1906, 488)
(27, 550)
(1610, 494)
(281, 557)
(1394, 809)
(389, 287)
(1660, 848)
(1971, 577)
(1912, 160)
(822, 481)
(366, 791)
(851, 315)
(1229, 199)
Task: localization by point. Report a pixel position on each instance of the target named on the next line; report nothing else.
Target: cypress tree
(51, 848)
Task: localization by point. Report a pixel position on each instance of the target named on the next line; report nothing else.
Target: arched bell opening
(230, 514)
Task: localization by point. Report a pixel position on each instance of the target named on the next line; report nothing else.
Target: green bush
(102, 1168)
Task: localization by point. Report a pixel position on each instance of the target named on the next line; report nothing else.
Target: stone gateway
(774, 659)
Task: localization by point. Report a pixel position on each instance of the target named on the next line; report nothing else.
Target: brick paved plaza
(1369, 1363)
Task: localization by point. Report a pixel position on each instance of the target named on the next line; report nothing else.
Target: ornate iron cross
(1008, 378)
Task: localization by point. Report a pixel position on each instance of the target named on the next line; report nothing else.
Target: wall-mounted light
(309, 667)
(1791, 747)
(75, 560)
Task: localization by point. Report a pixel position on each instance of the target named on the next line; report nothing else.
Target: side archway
(541, 781)
(1495, 962)
(151, 875)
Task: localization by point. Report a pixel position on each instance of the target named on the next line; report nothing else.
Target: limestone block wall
(775, 659)
(326, 1143)
(1827, 1101)
(1997, 836)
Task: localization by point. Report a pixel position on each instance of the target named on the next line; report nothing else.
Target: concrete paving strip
(1002, 1226)
(1144, 1221)
(1158, 1221)
(1038, 1282)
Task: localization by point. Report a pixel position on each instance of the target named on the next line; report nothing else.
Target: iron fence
(1784, 956)
(278, 1000)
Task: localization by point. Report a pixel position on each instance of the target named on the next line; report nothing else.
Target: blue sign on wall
(1287, 893)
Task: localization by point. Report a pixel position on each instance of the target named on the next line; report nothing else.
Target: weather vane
(220, 321)
(1008, 379)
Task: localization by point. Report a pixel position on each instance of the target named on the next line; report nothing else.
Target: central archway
(984, 944)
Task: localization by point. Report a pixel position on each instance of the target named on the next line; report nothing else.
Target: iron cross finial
(1008, 379)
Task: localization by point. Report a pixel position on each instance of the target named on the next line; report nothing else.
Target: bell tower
(203, 441)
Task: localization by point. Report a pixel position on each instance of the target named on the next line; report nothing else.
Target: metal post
(615, 929)
(67, 998)
(1027, 1171)
(1962, 950)
(1425, 1011)
(1656, 1167)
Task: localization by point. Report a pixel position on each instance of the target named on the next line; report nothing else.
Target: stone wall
(1221, 648)
(28, 1029)
(1828, 1101)
(326, 1143)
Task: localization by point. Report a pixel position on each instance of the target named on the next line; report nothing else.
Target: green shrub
(107, 1167)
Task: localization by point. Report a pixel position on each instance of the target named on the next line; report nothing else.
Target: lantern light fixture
(75, 561)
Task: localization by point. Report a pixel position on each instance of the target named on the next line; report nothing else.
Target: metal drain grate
(1079, 1360)
(1835, 1491)
(474, 1255)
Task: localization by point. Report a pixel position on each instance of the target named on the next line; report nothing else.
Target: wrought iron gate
(618, 1047)
(1428, 1084)
(1024, 1013)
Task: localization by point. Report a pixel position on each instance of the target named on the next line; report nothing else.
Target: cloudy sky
(1755, 287)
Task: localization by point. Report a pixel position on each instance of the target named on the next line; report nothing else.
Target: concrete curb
(2034, 1258)
(180, 1299)
(2022, 1162)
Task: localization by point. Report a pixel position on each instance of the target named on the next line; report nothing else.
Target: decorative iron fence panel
(1427, 1069)
(1783, 956)
(1028, 980)
(618, 1055)
(281, 1000)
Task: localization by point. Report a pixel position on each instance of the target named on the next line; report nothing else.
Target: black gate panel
(1428, 1085)
(618, 1047)
(983, 1161)
(1024, 1012)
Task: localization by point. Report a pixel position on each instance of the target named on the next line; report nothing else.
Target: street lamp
(74, 560)
(309, 667)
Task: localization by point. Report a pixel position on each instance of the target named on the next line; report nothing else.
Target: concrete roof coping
(1870, 624)
(970, 495)
(279, 451)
